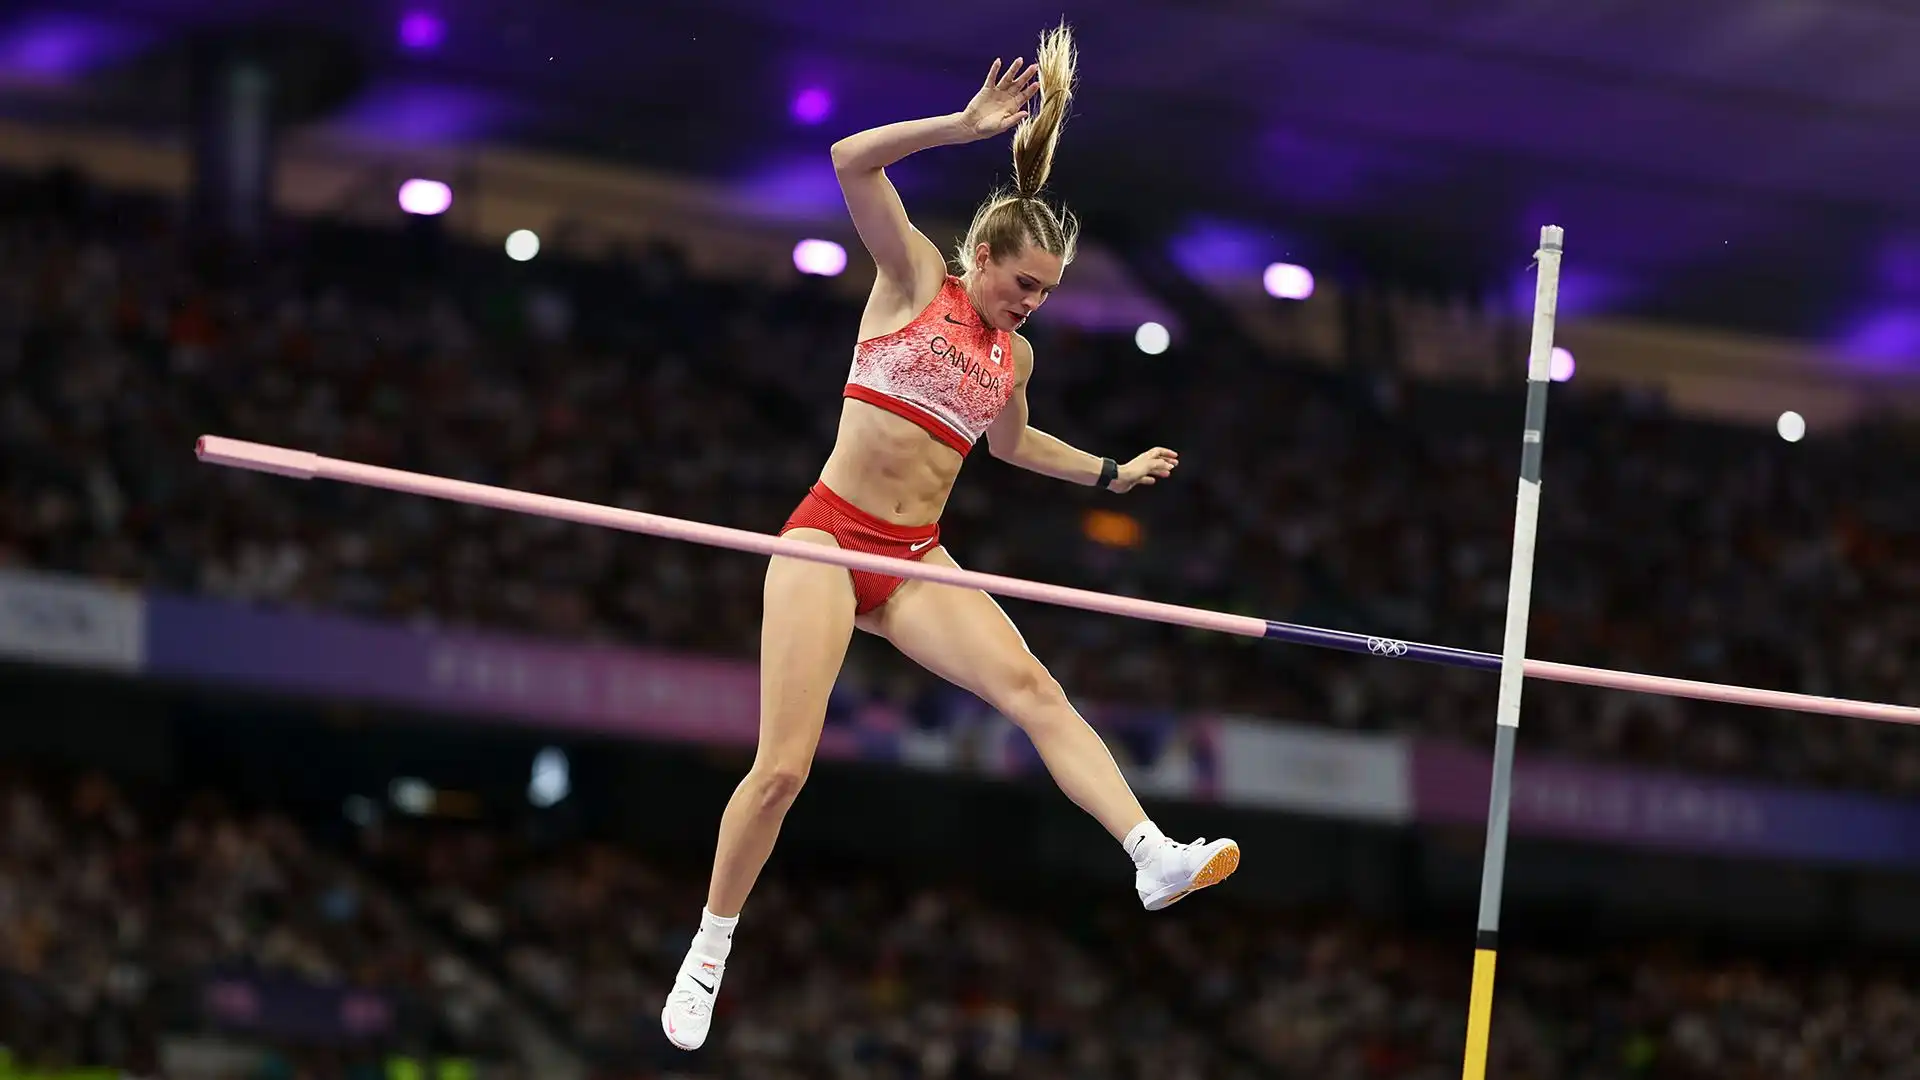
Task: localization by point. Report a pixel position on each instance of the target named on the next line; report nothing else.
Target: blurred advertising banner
(70, 622)
(641, 693)
(585, 687)
(292, 1009)
(1667, 810)
(1313, 770)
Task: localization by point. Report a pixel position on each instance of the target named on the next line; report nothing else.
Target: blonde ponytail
(1034, 140)
(1009, 220)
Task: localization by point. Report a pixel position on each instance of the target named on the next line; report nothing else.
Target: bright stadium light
(1152, 338)
(1285, 281)
(522, 245)
(810, 106)
(1791, 426)
(425, 197)
(821, 257)
(1560, 366)
(421, 30)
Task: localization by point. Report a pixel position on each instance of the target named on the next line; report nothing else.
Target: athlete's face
(1010, 288)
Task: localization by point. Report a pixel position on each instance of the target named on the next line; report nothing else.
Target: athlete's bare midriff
(889, 466)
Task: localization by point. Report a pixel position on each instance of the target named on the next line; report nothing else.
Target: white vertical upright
(1513, 652)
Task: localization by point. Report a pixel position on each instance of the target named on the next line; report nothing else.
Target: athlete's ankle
(714, 939)
(1143, 841)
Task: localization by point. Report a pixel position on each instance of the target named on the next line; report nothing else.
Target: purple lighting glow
(425, 197)
(1286, 281)
(823, 258)
(811, 105)
(59, 47)
(419, 112)
(801, 189)
(1900, 266)
(48, 50)
(1214, 250)
(420, 30)
(1886, 340)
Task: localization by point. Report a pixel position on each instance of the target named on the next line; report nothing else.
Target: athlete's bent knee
(775, 785)
(1029, 695)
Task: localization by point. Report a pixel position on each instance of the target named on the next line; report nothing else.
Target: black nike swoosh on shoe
(700, 984)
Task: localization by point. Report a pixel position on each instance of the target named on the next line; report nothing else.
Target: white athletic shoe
(1178, 869)
(689, 1010)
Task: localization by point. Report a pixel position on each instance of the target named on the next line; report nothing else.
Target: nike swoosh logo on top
(955, 321)
(921, 544)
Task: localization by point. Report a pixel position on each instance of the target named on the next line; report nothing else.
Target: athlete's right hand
(1002, 100)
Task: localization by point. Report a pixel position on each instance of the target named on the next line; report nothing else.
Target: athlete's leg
(805, 627)
(963, 636)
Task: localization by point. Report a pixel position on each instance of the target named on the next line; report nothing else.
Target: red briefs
(856, 530)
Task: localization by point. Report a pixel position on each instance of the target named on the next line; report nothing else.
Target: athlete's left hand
(1148, 468)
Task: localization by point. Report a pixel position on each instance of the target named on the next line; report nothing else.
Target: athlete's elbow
(846, 156)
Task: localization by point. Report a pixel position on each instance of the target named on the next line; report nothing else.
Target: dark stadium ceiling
(1750, 158)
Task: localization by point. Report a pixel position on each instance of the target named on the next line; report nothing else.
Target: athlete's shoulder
(1022, 357)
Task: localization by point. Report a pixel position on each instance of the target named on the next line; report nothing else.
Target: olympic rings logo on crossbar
(1383, 646)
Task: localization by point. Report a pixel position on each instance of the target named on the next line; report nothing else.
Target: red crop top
(946, 370)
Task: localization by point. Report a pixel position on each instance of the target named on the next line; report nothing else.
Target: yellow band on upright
(1479, 1016)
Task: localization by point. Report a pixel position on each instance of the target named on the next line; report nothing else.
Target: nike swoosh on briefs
(921, 544)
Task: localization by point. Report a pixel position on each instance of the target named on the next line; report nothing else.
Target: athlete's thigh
(805, 625)
(959, 634)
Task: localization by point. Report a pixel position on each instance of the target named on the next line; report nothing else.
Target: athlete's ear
(982, 254)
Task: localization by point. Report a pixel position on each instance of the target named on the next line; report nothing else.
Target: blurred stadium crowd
(113, 908)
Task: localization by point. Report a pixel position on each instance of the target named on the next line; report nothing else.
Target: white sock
(715, 938)
(1143, 841)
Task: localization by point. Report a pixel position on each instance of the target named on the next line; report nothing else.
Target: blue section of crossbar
(1392, 648)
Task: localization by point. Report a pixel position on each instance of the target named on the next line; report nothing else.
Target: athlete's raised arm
(905, 258)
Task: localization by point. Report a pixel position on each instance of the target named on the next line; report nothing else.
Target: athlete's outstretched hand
(1002, 100)
(1148, 468)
